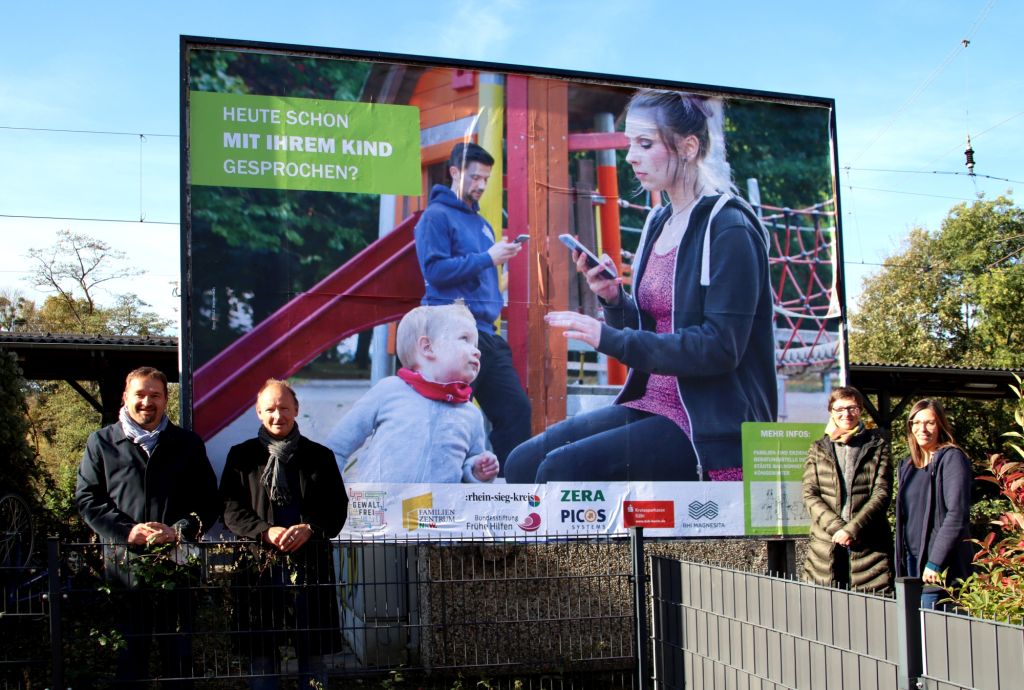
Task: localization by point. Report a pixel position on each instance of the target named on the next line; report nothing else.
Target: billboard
(317, 194)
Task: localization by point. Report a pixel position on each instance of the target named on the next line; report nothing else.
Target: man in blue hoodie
(459, 256)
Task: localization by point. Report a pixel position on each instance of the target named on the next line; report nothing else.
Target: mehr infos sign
(269, 142)
(773, 465)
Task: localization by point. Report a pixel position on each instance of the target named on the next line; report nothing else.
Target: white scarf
(139, 436)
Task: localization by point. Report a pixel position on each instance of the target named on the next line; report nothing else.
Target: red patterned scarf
(457, 392)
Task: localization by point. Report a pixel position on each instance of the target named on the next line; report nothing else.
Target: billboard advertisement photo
(512, 300)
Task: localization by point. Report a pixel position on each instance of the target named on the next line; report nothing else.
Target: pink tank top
(654, 297)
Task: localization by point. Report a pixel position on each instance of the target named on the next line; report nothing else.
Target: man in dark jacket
(286, 492)
(143, 484)
(459, 256)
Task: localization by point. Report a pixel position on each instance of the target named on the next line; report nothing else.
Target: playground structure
(545, 126)
(806, 306)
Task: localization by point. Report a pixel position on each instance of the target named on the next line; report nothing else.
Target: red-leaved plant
(996, 588)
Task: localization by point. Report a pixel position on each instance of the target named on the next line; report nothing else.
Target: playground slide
(377, 286)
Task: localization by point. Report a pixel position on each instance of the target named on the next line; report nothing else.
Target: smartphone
(592, 260)
(521, 238)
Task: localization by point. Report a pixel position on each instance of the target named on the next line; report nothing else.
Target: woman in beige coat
(847, 487)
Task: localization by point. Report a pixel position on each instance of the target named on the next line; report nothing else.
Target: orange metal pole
(611, 236)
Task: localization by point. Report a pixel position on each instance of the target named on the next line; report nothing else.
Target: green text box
(303, 144)
(773, 463)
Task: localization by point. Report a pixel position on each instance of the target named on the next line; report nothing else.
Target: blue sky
(907, 93)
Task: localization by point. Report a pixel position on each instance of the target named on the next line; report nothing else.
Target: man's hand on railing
(152, 533)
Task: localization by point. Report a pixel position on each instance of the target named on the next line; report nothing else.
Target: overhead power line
(933, 172)
(896, 191)
(916, 93)
(92, 220)
(87, 131)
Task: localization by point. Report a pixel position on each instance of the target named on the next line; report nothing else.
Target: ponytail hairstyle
(681, 114)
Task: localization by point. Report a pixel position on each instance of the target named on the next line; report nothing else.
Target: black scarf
(281, 451)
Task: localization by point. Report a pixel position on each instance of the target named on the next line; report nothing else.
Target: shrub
(996, 589)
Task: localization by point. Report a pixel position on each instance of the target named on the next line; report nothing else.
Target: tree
(15, 310)
(59, 419)
(18, 469)
(74, 267)
(952, 297)
(785, 147)
(129, 316)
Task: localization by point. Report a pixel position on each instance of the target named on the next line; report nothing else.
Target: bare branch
(74, 266)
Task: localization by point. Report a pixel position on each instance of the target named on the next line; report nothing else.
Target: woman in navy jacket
(933, 504)
(697, 332)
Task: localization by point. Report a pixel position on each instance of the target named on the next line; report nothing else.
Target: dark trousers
(501, 396)
(279, 602)
(614, 443)
(163, 616)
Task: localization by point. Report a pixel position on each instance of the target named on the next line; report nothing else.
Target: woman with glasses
(847, 487)
(933, 505)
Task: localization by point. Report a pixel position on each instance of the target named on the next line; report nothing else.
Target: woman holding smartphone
(697, 332)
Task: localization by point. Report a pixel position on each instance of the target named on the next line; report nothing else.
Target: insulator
(969, 152)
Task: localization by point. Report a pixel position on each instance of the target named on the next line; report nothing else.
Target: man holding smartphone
(459, 256)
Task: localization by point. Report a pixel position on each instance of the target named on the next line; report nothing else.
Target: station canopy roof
(76, 357)
(899, 380)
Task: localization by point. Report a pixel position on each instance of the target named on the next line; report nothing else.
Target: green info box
(303, 144)
(773, 466)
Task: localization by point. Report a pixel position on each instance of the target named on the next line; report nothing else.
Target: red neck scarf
(457, 392)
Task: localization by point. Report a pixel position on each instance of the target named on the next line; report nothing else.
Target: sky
(89, 98)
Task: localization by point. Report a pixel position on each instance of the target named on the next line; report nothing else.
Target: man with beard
(459, 256)
(144, 486)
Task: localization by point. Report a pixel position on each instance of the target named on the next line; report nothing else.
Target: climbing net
(802, 259)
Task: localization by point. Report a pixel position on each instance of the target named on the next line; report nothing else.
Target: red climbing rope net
(802, 258)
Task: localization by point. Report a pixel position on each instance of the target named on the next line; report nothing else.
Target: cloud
(480, 31)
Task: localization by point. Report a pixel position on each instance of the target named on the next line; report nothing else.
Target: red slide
(378, 285)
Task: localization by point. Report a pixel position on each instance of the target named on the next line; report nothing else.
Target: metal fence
(544, 612)
(718, 628)
(961, 652)
(554, 612)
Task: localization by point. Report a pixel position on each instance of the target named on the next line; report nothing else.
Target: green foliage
(996, 589)
(255, 249)
(107, 638)
(19, 469)
(163, 566)
(14, 308)
(951, 297)
(786, 148)
(61, 421)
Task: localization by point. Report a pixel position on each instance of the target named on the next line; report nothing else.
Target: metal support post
(781, 558)
(54, 595)
(908, 632)
(636, 549)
